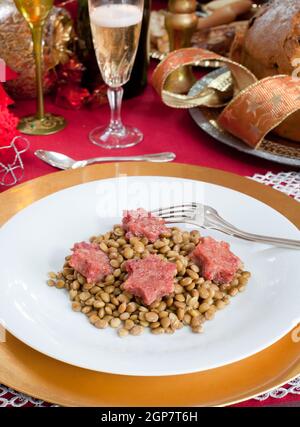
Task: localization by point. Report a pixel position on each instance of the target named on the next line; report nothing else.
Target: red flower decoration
(8, 122)
(98, 96)
(71, 71)
(70, 93)
(71, 96)
(4, 98)
(8, 126)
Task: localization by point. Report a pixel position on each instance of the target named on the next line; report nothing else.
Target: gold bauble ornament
(16, 48)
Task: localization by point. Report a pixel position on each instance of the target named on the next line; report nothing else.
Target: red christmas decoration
(8, 121)
(98, 96)
(8, 126)
(71, 71)
(70, 94)
(5, 100)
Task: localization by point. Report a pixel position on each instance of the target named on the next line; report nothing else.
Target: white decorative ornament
(11, 173)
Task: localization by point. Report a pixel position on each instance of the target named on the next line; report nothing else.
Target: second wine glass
(116, 27)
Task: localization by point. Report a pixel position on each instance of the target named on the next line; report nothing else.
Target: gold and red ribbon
(257, 106)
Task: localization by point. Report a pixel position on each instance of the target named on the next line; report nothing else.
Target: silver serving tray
(273, 148)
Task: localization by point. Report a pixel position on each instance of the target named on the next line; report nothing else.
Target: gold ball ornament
(16, 48)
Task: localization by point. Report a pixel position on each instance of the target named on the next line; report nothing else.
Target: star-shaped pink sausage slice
(216, 260)
(141, 223)
(150, 278)
(90, 261)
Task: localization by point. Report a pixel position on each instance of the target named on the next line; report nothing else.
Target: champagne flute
(116, 27)
(35, 13)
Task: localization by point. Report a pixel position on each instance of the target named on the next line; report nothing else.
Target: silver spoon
(61, 161)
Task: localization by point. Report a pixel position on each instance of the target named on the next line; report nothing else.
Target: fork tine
(175, 209)
(166, 217)
(183, 205)
(176, 219)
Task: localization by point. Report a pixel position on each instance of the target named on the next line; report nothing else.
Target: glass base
(107, 137)
(49, 124)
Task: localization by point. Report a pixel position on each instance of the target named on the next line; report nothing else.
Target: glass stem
(37, 48)
(115, 95)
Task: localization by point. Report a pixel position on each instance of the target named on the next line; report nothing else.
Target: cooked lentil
(193, 302)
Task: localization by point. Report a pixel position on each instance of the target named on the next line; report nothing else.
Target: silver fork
(207, 217)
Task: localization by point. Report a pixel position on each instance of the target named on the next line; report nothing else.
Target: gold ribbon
(257, 107)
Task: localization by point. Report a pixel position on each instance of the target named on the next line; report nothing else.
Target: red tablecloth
(164, 129)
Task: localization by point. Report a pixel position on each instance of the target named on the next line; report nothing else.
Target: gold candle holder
(181, 22)
(35, 13)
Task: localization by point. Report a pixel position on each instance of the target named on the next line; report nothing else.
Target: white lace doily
(287, 182)
(293, 387)
(10, 397)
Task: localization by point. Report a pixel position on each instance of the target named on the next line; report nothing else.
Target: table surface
(164, 129)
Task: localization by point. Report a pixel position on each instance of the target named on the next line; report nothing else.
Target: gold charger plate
(33, 373)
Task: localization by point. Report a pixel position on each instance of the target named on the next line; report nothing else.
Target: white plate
(36, 240)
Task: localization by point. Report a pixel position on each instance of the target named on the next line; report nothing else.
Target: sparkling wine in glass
(35, 13)
(116, 27)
